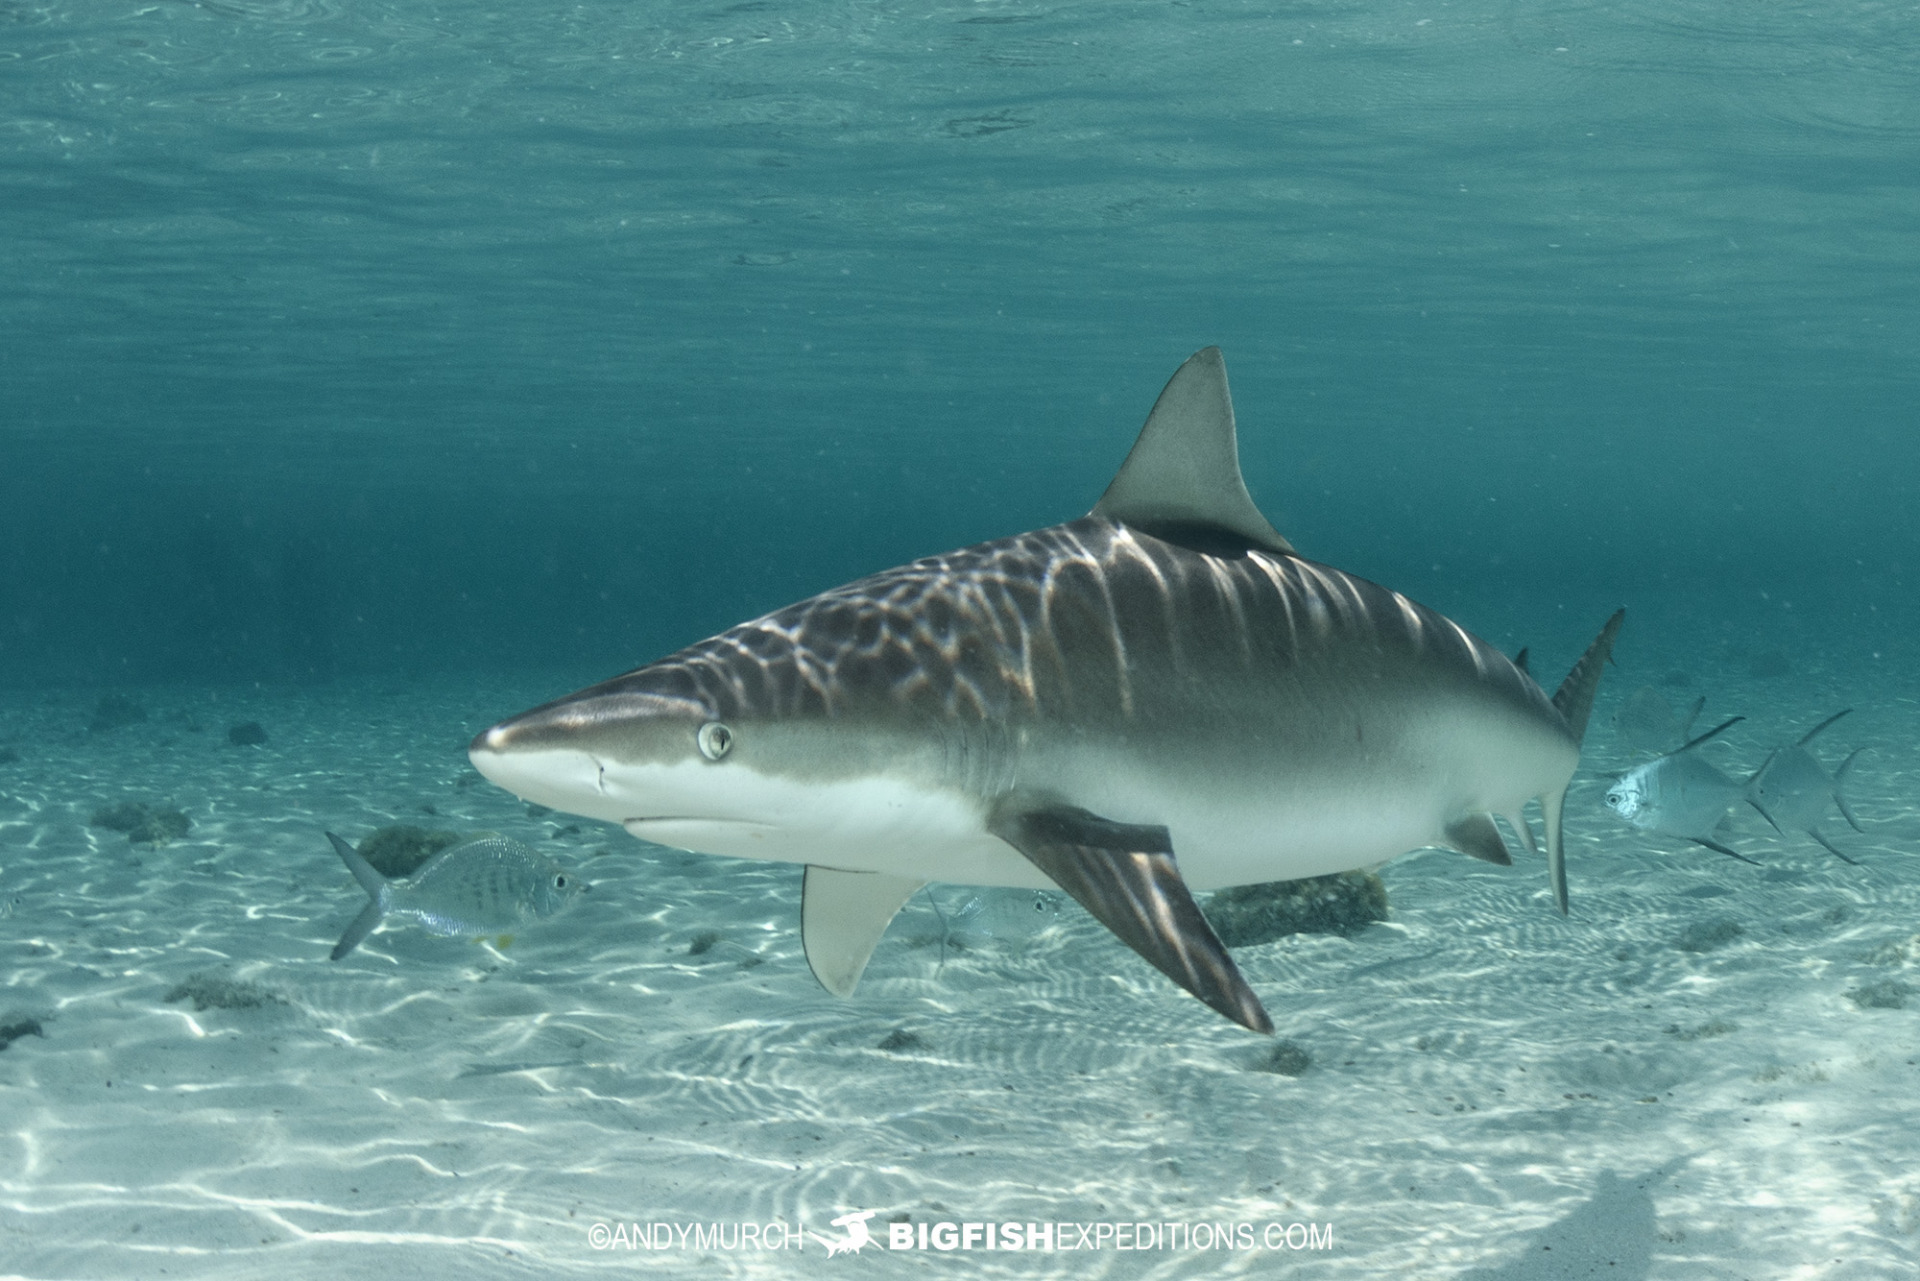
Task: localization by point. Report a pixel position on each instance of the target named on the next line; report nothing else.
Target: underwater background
(371, 371)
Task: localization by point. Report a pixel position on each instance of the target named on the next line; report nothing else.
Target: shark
(1157, 698)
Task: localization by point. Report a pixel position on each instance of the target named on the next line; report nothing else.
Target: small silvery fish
(487, 884)
(1008, 915)
(1681, 794)
(1793, 789)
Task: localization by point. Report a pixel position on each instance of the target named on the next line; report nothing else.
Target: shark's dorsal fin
(1182, 481)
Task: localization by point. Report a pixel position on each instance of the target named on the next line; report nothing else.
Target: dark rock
(703, 942)
(159, 827)
(143, 824)
(1887, 994)
(248, 735)
(399, 850)
(1284, 1058)
(1707, 936)
(113, 711)
(218, 991)
(17, 1028)
(1345, 904)
(1703, 1031)
(123, 817)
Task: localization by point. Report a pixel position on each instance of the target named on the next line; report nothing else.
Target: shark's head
(624, 752)
(739, 746)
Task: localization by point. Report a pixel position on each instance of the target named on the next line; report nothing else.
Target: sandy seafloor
(1494, 1092)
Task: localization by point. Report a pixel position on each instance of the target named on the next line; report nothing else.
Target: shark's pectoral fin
(1127, 878)
(842, 916)
(1476, 835)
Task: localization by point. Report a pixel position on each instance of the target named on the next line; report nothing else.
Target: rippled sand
(1674, 1083)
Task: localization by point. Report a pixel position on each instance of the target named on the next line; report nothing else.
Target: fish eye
(715, 740)
(560, 882)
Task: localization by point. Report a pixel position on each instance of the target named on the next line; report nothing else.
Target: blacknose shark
(1156, 698)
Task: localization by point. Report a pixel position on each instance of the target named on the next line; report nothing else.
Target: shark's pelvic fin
(1476, 835)
(1182, 480)
(1126, 877)
(842, 916)
(1574, 702)
(377, 897)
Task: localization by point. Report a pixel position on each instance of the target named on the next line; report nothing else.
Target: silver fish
(1792, 789)
(1681, 794)
(1645, 723)
(487, 884)
(1008, 915)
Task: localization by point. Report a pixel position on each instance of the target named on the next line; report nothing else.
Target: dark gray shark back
(1091, 622)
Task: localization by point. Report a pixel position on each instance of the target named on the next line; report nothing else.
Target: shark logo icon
(857, 1234)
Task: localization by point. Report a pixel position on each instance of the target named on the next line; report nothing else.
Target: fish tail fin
(378, 895)
(1574, 702)
(1840, 790)
(362, 926)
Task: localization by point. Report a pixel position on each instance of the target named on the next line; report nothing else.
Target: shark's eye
(715, 740)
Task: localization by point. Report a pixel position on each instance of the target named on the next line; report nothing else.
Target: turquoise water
(460, 355)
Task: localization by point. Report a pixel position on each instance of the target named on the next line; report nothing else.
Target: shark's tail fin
(1574, 699)
(377, 896)
(1574, 702)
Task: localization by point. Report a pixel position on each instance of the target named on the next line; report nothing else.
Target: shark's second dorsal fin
(1182, 481)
